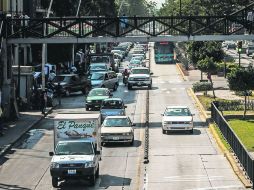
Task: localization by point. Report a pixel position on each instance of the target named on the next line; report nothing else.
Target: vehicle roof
(66, 75)
(76, 140)
(99, 89)
(141, 68)
(108, 99)
(112, 117)
(177, 107)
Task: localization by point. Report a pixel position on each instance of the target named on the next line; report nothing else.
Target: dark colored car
(112, 107)
(96, 96)
(73, 83)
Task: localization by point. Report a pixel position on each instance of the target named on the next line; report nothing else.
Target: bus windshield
(164, 48)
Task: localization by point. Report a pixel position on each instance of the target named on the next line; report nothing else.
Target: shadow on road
(14, 187)
(109, 180)
(137, 143)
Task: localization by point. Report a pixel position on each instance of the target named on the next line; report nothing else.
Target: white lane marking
(168, 92)
(193, 178)
(164, 89)
(145, 187)
(162, 82)
(218, 187)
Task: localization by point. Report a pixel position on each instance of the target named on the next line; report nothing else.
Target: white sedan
(177, 118)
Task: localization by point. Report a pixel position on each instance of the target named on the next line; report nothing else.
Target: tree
(208, 66)
(242, 80)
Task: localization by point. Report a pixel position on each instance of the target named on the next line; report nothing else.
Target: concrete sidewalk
(220, 85)
(16, 129)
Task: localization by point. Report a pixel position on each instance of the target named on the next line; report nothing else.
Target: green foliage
(201, 86)
(226, 105)
(200, 50)
(207, 65)
(241, 79)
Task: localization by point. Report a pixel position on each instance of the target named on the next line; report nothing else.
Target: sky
(159, 2)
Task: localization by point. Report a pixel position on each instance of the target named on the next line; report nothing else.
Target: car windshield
(74, 148)
(177, 112)
(112, 104)
(98, 92)
(99, 59)
(62, 79)
(97, 76)
(116, 122)
(98, 67)
(140, 71)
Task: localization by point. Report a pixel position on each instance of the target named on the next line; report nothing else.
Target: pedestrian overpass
(73, 30)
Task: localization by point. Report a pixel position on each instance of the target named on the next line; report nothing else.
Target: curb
(200, 106)
(238, 172)
(181, 72)
(230, 158)
(9, 146)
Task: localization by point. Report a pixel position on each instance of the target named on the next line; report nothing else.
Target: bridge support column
(16, 54)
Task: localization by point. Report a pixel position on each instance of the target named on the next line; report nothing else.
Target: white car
(117, 129)
(177, 118)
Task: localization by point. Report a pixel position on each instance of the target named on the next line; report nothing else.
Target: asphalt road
(178, 161)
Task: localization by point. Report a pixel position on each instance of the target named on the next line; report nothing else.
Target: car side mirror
(162, 114)
(133, 124)
(151, 73)
(125, 106)
(51, 153)
(110, 68)
(97, 152)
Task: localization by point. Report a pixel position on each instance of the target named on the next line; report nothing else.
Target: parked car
(112, 107)
(177, 118)
(140, 76)
(72, 83)
(105, 80)
(96, 96)
(230, 44)
(117, 129)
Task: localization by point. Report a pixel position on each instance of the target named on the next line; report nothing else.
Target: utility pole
(239, 50)
(73, 45)
(44, 46)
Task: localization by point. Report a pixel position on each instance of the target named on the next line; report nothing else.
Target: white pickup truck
(77, 147)
(140, 76)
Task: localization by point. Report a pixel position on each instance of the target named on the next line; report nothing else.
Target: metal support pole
(44, 53)
(239, 58)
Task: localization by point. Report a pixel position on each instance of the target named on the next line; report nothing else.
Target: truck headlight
(55, 165)
(127, 134)
(89, 164)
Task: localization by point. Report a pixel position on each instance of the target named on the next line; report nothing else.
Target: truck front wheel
(92, 180)
(55, 182)
(97, 172)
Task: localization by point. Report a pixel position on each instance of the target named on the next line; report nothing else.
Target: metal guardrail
(237, 147)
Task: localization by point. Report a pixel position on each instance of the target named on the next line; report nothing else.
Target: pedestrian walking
(43, 100)
(59, 93)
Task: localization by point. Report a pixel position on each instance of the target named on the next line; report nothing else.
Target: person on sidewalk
(59, 93)
(43, 100)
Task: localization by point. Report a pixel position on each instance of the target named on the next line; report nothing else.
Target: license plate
(115, 138)
(139, 83)
(71, 172)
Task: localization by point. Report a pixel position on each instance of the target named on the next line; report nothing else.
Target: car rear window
(112, 104)
(116, 122)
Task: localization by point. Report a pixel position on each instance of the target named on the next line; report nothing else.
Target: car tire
(132, 142)
(191, 131)
(150, 87)
(55, 182)
(129, 87)
(92, 180)
(164, 131)
(97, 172)
(87, 108)
(67, 92)
(115, 87)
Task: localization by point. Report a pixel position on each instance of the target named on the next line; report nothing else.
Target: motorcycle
(125, 80)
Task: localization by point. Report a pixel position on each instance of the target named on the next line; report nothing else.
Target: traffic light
(239, 46)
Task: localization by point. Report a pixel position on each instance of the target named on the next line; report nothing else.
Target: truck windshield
(140, 71)
(74, 148)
